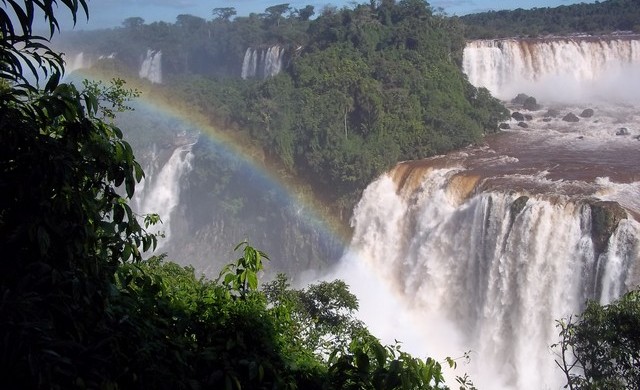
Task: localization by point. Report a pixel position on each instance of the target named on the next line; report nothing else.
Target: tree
(600, 349)
(224, 13)
(133, 23)
(322, 314)
(306, 13)
(64, 225)
(189, 22)
(275, 12)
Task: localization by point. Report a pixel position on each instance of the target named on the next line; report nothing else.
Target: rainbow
(288, 189)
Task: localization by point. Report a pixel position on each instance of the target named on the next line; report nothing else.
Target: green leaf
(252, 281)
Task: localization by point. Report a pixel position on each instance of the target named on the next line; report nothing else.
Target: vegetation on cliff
(599, 18)
(362, 88)
(80, 309)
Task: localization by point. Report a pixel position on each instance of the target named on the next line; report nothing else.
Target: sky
(111, 13)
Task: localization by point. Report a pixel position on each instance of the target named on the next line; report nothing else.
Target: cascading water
(262, 63)
(485, 248)
(556, 69)
(160, 191)
(497, 268)
(151, 67)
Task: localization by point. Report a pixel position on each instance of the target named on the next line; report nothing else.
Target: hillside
(599, 18)
(355, 90)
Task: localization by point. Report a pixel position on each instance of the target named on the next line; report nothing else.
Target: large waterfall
(151, 67)
(558, 69)
(262, 63)
(485, 248)
(496, 268)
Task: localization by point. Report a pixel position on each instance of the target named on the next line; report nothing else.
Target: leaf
(252, 281)
(52, 83)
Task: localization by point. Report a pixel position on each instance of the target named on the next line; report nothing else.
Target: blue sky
(111, 13)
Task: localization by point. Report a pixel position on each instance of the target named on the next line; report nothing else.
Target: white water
(439, 261)
(159, 192)
(151, 67)
(471, 276)
(262, 63)
(83, 61)
(557, 69)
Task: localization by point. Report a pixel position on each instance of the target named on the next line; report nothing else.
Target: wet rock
(570, 117)
(517, 206)
(552, 113)
(520, 99)
(546, 119)
(531, 104)
(587, 113)
(517, 116)
(622, 131)
(504, 126)
(523, 125)
(581, 137)
(605, 218)
(528, 117)
(637, 137)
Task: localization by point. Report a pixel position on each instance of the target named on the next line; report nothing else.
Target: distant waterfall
(497, 268)
(160, 191)
(262, 63)
(76, 62)
(151, 68)
(557, 69)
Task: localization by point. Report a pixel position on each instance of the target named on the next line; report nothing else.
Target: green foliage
(600, 349)
(64, 225)
(175, 330)
(599, 18)
(367, 364)
(224, 13)
(362, 87)
(319, 318)
(79, 308)
(242, 277)
(20, 47)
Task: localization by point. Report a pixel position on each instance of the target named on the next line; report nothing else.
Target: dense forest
(606, 17)
(360, 88)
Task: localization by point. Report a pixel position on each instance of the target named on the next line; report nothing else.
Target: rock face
(517, 206)
(605, 217)
(531, 104)
(587, 113)
(520, 99)
(517, 116)
(571, 117)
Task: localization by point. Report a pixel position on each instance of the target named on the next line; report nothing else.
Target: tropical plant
(600, 349)
(65, 225)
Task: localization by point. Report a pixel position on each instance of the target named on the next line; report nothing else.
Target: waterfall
(77, 62)
(160, 191)
(557, 69)
(263, 63)
(273, 61)
(249, 64)
(496, 269)
(151, 67)
(83, 60)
